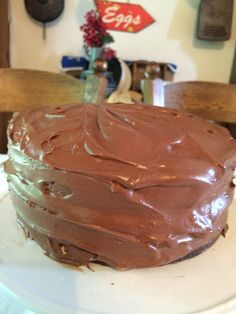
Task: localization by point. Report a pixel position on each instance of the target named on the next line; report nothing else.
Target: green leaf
(107, 39)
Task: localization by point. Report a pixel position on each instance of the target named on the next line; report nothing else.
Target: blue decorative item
(73, 63)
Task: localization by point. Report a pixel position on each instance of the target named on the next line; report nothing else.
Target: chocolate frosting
(125, 185)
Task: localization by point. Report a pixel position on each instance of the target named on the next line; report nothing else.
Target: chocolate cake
(124, 185)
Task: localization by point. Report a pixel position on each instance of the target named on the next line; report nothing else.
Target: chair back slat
(28, 89)
(209, 100)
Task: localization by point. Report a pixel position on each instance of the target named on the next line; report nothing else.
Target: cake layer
(128, 186)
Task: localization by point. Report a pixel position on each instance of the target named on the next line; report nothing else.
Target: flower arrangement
(108, 53)
(95, 35)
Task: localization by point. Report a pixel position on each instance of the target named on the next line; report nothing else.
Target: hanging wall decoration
(124, 17)
(44, 11)
(215, 20)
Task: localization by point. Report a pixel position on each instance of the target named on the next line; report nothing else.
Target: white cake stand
(204, 284)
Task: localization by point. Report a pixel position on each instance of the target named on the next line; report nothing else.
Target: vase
(95, 53)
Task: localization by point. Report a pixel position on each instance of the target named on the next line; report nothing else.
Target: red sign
(123, 16)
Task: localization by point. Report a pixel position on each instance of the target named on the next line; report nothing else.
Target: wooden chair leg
(232, 128)
(4, 119)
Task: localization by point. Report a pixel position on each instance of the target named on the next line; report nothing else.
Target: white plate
(126, 78)
(205, 283)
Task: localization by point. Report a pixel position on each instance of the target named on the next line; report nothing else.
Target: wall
(170, 39)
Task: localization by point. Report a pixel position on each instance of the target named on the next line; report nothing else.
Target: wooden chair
(209, 100)
(28, 89)
(96, 83)
(152, 86)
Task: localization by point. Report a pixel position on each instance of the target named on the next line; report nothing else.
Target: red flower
(95, 32)
(109, 53)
